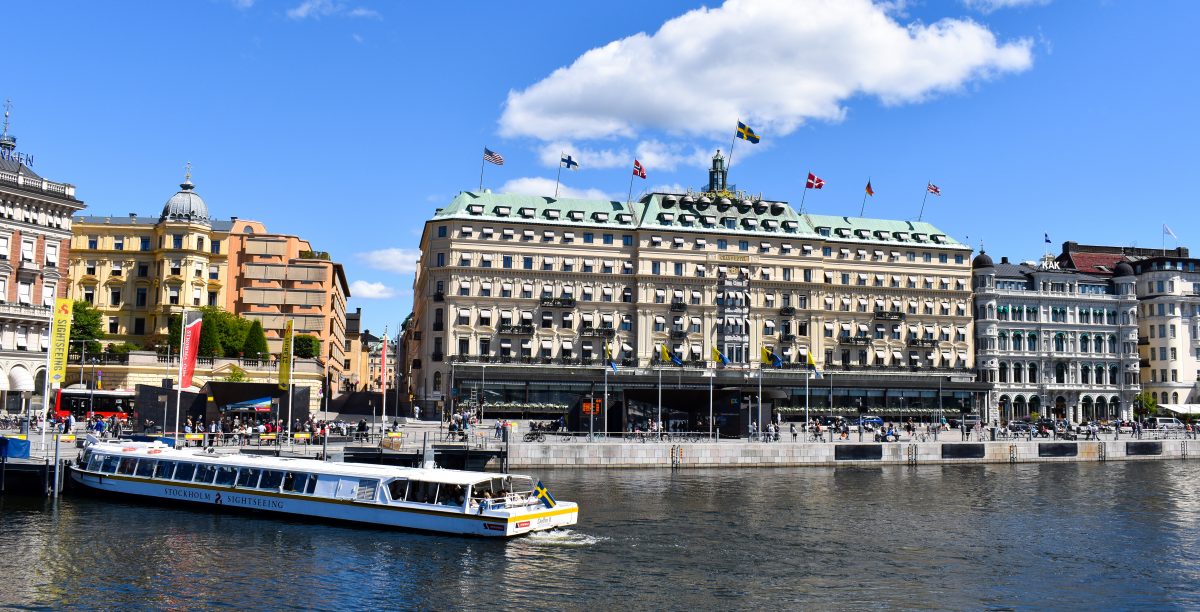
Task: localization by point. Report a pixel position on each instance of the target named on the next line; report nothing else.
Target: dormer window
(624, 218)
(475, 209)
(750, 222)
(575, 215)
(502, 211)
(824, 231)
(552, 213)
(770, 224)
(791, 226)
(600, 216)
(666, 217)
(526, 212)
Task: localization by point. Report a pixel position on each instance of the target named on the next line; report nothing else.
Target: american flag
(931, 188)
(814, 182)
(493, 157)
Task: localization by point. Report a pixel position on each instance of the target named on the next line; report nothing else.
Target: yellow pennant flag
(285, 357)
(60, 340)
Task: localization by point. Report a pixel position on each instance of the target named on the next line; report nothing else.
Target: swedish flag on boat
(541, 493)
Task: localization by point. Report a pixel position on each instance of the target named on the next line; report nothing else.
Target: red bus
(99, 402)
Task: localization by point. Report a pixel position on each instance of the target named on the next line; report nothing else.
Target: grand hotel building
(517, 297)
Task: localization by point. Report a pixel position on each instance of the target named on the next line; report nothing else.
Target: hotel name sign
(17, 156)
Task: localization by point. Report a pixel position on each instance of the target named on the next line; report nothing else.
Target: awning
(528, 233)
(464, 312)
(487, 257)
(879, 356)
(829, 326)
(527, 287)
(487, 231)
(606, 290)
(547, 345)
(695, 320)
(770, 324)
(678, 294)
(526, 344)
(569, 235)
(526, 315)
(505, 343)
(896, 356)
(701, 242)
(467, 229)
(845, 327)
(844, 251)
(696, 294)
(862, 327)
(807, 249)
(678, 241)
(659, 319)
(695, 349)
(1182, 408)
(660, 292)
(764, 245)
(879, 253)
(607, 318)
(508, 231)
(568, 345)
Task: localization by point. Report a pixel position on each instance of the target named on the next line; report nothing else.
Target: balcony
(788, 338)
(30, 266)
(886, 315)
(558, 302)
(1143, 341)
(1145, 363)
(438, 356)
(509, 328)
(597, 332)
(439, 296)
(923, 342)
(787, 311)
(678, 334)
(678, 307)
(859, 340)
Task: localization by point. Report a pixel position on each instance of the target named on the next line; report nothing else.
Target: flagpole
(559, 175)
(863, 208)
(383, 380)
(481, 161)
(179, 381)
(660, 398)
(713, 375)
(922, 213)
(629, 197)
(760, 377)
(46, 386)
(291, 370)
(729, 162)
(802, 194)
(806, 379)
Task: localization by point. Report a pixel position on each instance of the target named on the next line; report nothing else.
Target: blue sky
(348, 122)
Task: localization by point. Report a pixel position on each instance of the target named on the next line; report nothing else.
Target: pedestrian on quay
(793, 430)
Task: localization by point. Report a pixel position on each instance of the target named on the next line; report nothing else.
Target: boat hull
(423, 517)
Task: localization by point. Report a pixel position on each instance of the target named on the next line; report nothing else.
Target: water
(1115, 535)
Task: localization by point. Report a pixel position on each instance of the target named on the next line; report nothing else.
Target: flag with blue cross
(544, 495)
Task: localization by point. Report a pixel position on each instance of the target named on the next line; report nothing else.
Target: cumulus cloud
(654, 155)
(774, 63)
(315, 9)
(538, 186)
(371, 291)
(400, 261)
(988, 6)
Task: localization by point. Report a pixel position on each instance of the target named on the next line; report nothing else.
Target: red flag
(814, 182)
(188, 345)
(638, 170)
(931, 188)
(383, 364)
(870, 191)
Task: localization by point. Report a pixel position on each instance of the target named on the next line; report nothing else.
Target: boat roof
(164, 451)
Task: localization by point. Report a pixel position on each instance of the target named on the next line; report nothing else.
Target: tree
(121, 349)
(255, 346)
(1144, 404)
(86, 325)
(230, 328)
(306, 347)
(236, 375)
(210, 342)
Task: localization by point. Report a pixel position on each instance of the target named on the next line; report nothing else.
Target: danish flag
(814, 182)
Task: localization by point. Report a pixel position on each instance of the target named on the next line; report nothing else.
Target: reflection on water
(1118, 535)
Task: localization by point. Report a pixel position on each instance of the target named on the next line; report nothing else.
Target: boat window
(294, 482)
(145, 468)
(94, 462)
(110, 464)
(164, 469)
(451, 495)
(185, 471)
(397, 489)
(422, 492)
(226, 475)
(271, 479)
(248, 477)
(127, 465)
(311, 487)
(366, 489)
(205, 473)
(347, 488)
(521, 484)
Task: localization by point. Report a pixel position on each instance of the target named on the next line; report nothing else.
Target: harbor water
(1057, 535)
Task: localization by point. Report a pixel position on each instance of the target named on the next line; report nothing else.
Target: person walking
(793, 430)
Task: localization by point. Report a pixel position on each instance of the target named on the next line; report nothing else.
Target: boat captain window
(226, 475)
(185, 471)
(164, 469)
(271, 479)
(145, 468)
(110, 464)
(248, 478)
(398, 489)
(205, 473)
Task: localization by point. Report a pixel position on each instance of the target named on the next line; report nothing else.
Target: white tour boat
(430, 499)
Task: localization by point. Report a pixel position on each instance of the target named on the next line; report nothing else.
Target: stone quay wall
(522, 455)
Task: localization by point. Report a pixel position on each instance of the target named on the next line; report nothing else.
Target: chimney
(1003, 260)
(234, 219)
(133, 218)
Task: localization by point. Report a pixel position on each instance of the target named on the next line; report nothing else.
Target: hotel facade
(519, 299)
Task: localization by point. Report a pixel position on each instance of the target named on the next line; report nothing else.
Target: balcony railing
(887, 315)
(439, 297)
(558, 302)
(787, 338)
(787, 311)
(678, 307)
(859, 340)
(923, 342)
(1143, 341)
(678, 334)
(510, 328)
(597, 332)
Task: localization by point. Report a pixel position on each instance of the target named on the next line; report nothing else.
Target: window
(144, 243)
(51, 255)
(27, 247)
(743, 245)
(215, 247)
(173, 295)
(608, 238)
(441, 260)
(627, 240)
(93, 242)
(722, 244)
(527, 263)
(177, 241)
(655, 268)
(441, 231)
(589, 238)
(112, 325)
(212, 298)
(678, 269)
(140, 297)
(943, 258)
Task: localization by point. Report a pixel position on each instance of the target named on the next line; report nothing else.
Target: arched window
(1112, 375)
(1083, 344)
(1017, 341)
(1175, 397)
(1112, 344)
(1100, 375)
(1085, 374)
(1154, 396)
(1060, 342)
(1099, 344)
(1060, 373)
(437, 381)
(1004, 372)
(1018, 373)
(1004, 341)
(1031, 341)
(1033, 371)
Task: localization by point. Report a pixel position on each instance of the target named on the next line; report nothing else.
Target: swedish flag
(608, 356)
(812, 366)
(717, 355)
(667, 355)
(745, 133)
(770, 358)
(542, 494)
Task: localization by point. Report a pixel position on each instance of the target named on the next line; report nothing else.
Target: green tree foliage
(230, 328)
(87, 326)
(120, 349)
(210, 341)
(236, 375)
(306, 347)
(1144, 404)
(255, 346)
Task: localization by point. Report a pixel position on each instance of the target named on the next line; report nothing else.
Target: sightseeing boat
(429, 499)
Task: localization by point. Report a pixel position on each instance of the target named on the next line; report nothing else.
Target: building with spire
(140, 270)
(523, 303)
(35, 233)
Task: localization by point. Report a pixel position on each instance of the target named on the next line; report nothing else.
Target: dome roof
(1123, 269)
(185, 205)
(982, 261)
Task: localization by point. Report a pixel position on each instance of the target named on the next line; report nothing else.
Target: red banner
(189, 343)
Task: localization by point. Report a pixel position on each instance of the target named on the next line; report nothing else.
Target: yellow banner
(60, 341)
(285, 357)
(301, 436)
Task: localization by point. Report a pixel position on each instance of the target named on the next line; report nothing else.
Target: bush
(306, 347)
(255, 346)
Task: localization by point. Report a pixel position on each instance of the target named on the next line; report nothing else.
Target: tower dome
(1123, 269)
(982, 260)
(186, 204)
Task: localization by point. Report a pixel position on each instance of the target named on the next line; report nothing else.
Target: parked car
(1163, 423)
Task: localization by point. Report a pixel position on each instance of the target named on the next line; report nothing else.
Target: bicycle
(920, 437)
(816, 437)
(534, 436)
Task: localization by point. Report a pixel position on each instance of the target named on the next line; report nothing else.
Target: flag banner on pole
(718, 356)
(931, 188)
(383, 375)
(770, 358)
(812, 365)
(1168, 232)
(638, 170)
(814, 182)
(669, 356)
(745, 133)
(1047, 238)
(608, 356)
(544, 495)
(60, 343)
(188, 345)
(569, 162)
(870, 191)
(492, 157)
(285, 357)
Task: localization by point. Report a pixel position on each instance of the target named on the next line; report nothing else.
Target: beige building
(518, 296)
(140, 270)
(35, 233)
(356, 366)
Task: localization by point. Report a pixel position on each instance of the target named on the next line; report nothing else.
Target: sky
(349, 122)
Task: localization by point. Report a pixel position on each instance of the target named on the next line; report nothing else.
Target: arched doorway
(1060, 407)
(1005, 406)
(1101, 408)
(1114, 407)
(1019, 411)
(1088, 409)
(1035, 405)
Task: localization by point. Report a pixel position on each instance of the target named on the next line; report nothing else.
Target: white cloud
(316, 9)
(652, 153)
(538, 186)
(371, 291)
(774, 63)
(400, 261)
(671, 188)
(988, 6)
(357, 38)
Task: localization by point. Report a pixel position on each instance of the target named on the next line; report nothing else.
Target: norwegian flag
(814, 182)
(638, 170)
(931, 188)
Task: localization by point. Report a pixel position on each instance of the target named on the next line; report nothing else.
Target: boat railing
(512, 501)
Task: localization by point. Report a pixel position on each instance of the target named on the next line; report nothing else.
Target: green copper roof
(883, 231)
